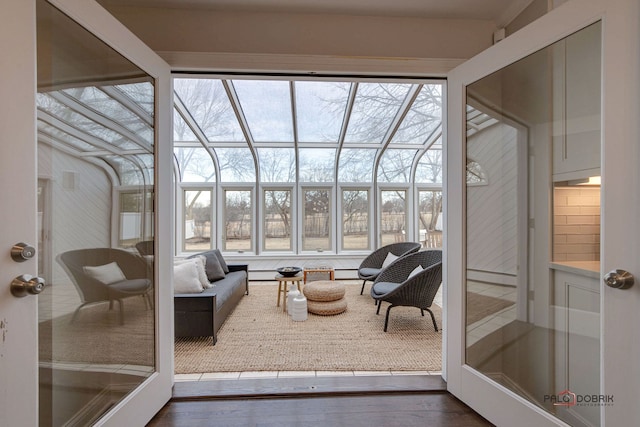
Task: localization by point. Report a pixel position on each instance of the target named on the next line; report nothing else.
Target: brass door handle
(619, 279)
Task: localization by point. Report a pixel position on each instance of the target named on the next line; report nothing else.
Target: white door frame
(18, 344)
(139, 406)
(18, 318)
(620, 348)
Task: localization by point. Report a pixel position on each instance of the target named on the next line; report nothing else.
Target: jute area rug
(97, 337)
(258, 336)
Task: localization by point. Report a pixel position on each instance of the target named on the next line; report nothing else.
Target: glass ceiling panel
(147, 160)
(477, 120)
(195, 164)
(181, 131)
(422, 118)
(374, 109)
(317, 164)
(267, 109)
(208, 103)
(142, 94)
(83, 123)
(429, 168)
(356, 165)
(277, 164)
(395, 165)
(101, 103)
(64, 137)
(236, 165)
(129, 172)
(320, 110)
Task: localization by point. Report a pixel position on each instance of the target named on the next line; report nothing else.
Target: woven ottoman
(325, 297)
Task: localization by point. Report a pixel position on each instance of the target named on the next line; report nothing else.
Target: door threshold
(261, 388)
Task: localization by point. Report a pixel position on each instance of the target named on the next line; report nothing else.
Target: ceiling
(498, 11)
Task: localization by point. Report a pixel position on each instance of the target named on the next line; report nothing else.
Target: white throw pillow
(389, 259)
(185, 278)
(200, 267)
(107, 274)
(415, 271)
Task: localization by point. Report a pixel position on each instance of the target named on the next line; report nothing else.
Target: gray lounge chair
(394, 285)
(91, 290)
(372, 264)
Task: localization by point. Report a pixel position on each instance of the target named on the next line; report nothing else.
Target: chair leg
(422, 312)
(75, 313)
(148, 301)
(362, 290)
(386, 319)
(379, 305)
(121, 313)
(433, 319)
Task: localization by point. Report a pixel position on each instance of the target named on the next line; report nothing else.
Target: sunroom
(284, 170)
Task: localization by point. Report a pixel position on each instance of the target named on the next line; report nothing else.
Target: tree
(278, 202)
(355, 206)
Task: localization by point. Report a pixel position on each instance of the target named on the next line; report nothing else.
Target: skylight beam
(75, 132)
(100, 119)
(197, 131)
(294, 122)
(402, 113)
(242, 120)
(131, 105)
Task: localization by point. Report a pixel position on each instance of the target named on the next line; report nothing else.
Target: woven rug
(97, 337)
(258, 336)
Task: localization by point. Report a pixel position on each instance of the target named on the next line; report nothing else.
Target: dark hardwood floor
(351, 401)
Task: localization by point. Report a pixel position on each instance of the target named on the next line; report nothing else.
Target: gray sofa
(202, 314)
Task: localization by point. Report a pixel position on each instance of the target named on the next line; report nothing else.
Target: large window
(393, 218)
(237, 220)
(136, 216)
(197, 219)
(325, 165)
(355, 219)
(317, 220)
(430, 218)
(277, 220)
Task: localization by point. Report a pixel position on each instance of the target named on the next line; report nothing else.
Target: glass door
(532, 289)
(93, 345)
(531, 314)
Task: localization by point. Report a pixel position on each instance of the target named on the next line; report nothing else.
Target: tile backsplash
(576, 230)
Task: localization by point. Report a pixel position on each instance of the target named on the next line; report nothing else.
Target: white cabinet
(576, 320)
(576, 101)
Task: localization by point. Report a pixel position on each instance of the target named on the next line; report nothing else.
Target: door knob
(25, 285)
(21, 252)
(619, 279)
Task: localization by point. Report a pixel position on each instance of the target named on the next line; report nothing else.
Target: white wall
(81, 205)
(242, 33)
(492, 208)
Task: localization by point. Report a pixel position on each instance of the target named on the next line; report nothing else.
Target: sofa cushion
(213, 267)
(185, 278)
(200, 268)
(221, 260)
(225, 287)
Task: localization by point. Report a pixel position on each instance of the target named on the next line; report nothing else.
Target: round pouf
(327, 308)
(325, 297)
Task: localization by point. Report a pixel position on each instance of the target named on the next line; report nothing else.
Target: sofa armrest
(238, 267)
(241, 267)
